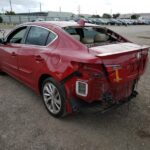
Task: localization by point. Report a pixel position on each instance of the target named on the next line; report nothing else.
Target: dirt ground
(26, 125)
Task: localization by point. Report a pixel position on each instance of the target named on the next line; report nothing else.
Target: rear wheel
(53, 97)
(1, 72)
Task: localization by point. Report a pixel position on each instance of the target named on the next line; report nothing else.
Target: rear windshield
(90, 36)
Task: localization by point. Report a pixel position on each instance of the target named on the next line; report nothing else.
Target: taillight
(112, 68)
(86, 66)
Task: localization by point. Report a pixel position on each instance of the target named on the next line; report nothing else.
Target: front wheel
(53, 97)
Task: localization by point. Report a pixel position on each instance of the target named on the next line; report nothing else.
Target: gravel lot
(26, 125)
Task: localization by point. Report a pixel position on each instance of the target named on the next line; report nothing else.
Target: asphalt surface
(26, 125)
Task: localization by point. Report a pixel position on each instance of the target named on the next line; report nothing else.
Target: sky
(86, 6)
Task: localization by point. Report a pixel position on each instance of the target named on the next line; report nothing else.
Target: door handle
(38, 58)
(13, 54)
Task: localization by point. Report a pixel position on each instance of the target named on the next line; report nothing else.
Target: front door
(10, 49)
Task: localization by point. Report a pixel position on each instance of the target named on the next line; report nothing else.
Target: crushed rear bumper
(99, 106)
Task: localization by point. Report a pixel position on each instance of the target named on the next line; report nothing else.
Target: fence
(17, 19)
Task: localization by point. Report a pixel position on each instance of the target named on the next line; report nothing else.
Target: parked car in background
(119, 22)
(115, 22)
(71, 63)
(56, 19)
(123, 22)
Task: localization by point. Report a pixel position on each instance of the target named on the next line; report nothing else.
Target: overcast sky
(86, 6)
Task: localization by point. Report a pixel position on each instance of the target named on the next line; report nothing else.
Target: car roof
(61, 24)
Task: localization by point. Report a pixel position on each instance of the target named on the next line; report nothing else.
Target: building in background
(141, 16)
(33, 14)
(56, 14)
(145, 16)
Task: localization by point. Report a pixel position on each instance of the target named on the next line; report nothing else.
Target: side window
(50, 38)
(37, 36)
(17, 36)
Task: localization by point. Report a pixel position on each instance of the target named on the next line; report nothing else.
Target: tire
(53, 97)
(1, 72)
(0, 69)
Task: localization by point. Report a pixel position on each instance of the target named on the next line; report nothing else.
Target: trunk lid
(122, 61)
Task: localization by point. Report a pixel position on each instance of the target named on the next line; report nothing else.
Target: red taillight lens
(90, 68)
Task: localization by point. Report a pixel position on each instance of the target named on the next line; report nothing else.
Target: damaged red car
(72, 64)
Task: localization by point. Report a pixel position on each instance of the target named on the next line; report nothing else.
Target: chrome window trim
(29, 31)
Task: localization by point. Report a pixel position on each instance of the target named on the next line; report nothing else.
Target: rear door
(33, 54)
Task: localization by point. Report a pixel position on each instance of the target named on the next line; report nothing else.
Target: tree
(95, 16)
(135, 16)
(1, 19)
(72, 16)
(9, 13)
(81, 16)
(116, 15)
(107, 15)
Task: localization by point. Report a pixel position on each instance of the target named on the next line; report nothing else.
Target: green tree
(95, 16)
(135, 16)
(81, 16)
(10, 13)
(106, 15)
(116, 15)
(72, 16)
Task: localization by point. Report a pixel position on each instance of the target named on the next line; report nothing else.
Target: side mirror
(2, 41)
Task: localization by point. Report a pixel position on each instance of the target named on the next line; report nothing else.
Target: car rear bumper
(99, 106)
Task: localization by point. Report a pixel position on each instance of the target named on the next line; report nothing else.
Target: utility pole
(3, 11)
(40, 7)
(60, 9)
(79, 9)
(96, 12)
(10, 5)
(111, 11)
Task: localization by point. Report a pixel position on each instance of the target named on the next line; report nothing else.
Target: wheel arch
(41, 80)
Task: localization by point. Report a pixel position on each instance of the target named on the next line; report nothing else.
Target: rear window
(90, 32)
(88, 35)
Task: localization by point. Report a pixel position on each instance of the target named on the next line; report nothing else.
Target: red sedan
(69, 63)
